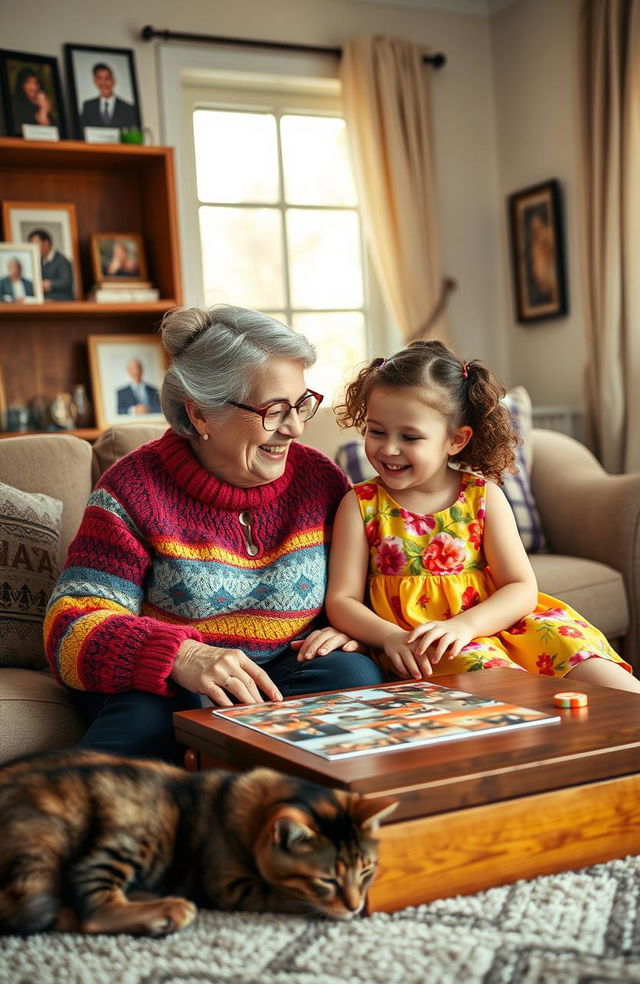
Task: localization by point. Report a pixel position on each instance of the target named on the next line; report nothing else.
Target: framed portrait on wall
(54, 230)
(126, 376)
(537, 249)
(102, 87)
(20, 279)
(31, 92)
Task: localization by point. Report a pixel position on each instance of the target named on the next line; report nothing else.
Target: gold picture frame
(118, 257)
(117, 396)
(57, 223)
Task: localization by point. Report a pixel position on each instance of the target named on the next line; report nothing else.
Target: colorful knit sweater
(167, 552)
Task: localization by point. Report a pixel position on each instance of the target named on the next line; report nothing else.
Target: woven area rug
(580, 927)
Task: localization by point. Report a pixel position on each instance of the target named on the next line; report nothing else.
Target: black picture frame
(18, 107)
(537, 250)
(82, 79)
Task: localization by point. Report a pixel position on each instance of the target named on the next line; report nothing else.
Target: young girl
(426, 563)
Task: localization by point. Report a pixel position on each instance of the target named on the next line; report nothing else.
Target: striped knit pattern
(161, 557)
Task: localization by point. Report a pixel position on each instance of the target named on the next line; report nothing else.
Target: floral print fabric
(429, 568)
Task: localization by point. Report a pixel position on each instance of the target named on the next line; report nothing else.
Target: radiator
(563, 419)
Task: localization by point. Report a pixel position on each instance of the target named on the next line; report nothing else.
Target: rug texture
(580, 927)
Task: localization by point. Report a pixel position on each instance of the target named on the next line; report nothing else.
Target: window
(278, 218)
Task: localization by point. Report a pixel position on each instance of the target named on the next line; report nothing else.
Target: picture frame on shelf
(537, 249)
(103, 89)
(126, 377)
(118, 257)
(20, 274)
(54, 230)
(31, 95)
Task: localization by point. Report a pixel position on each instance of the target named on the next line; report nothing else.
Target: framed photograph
(53, 229)
(126, 376)
(102, 87)
(118, 257)
(538, 252)
(20, 280)
(31, 92)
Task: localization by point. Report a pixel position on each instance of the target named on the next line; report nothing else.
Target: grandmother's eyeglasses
(275, 414)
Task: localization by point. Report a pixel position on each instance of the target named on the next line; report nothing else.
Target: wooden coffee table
(481, 811)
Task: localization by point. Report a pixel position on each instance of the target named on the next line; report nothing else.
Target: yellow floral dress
(431, 567)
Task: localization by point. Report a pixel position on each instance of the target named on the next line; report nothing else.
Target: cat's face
(324, 863)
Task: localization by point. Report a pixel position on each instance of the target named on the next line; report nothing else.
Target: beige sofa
(591, 521)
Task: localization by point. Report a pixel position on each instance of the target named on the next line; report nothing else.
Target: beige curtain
(610, 104)
(385, 90)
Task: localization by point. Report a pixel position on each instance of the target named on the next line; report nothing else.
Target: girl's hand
(216, 672)
(323, 641)
(436, 640)
(400, 656)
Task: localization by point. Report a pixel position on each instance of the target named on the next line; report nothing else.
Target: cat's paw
(169, 915)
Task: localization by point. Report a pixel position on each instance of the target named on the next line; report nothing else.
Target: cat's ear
(291, 833)
(369, 813)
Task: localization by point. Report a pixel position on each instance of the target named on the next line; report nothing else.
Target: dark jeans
(139, 723)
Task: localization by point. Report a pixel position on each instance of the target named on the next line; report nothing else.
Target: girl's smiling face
(407, 440)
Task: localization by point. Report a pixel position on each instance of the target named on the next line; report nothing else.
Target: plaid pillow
(517, 488)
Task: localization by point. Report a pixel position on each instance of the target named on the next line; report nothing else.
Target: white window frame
(180, 68)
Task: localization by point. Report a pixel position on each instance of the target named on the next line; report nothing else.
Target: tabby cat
(83, 834)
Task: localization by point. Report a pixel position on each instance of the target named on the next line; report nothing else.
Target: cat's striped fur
(83, 834)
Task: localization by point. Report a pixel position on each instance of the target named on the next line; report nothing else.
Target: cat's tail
(27, 913)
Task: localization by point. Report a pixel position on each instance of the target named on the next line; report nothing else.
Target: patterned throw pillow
(29, 537)
(517, 488)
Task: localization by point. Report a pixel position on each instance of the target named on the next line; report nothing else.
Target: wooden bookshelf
(115, 187)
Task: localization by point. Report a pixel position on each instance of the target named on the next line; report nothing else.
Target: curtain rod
(148, 33)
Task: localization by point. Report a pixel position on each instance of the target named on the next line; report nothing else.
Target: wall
(535, 70)
(463, 110)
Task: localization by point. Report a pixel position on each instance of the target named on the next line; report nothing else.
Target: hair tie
(378, 363)
(465, 370)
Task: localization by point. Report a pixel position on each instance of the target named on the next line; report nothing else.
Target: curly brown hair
(465, 393)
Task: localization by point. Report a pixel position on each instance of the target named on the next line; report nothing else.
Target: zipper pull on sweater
(245, 519)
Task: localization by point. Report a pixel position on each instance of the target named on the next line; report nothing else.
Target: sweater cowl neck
(183, 466)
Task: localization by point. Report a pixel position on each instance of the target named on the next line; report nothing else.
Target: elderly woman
(200, 565)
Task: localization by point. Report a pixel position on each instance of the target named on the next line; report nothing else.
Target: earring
(205, 436)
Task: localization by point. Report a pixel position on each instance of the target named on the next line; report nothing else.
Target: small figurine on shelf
(83, 409)
(63, 411)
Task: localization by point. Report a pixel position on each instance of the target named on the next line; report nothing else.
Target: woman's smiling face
(239, 450)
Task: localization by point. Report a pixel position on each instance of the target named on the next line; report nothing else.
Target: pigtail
(490, 450)
(353, 412)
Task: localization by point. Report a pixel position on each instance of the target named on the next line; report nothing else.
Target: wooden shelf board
(83, 308)
(87, 433)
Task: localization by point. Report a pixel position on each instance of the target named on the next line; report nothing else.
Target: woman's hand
(323, 641)
(216, 672)
(400, 657)
(44, 108)
(435, 640)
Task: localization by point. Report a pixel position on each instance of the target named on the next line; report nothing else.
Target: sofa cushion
(595, 590)
(29, 538)
(56, 464)
(114, 442)
(37, 714)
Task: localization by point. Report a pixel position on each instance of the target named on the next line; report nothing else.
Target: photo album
(381, 719)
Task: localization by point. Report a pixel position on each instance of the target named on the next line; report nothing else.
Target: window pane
(339, 339)
(236, 156)
(242, 256)
(315, 161)
(325, 262)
